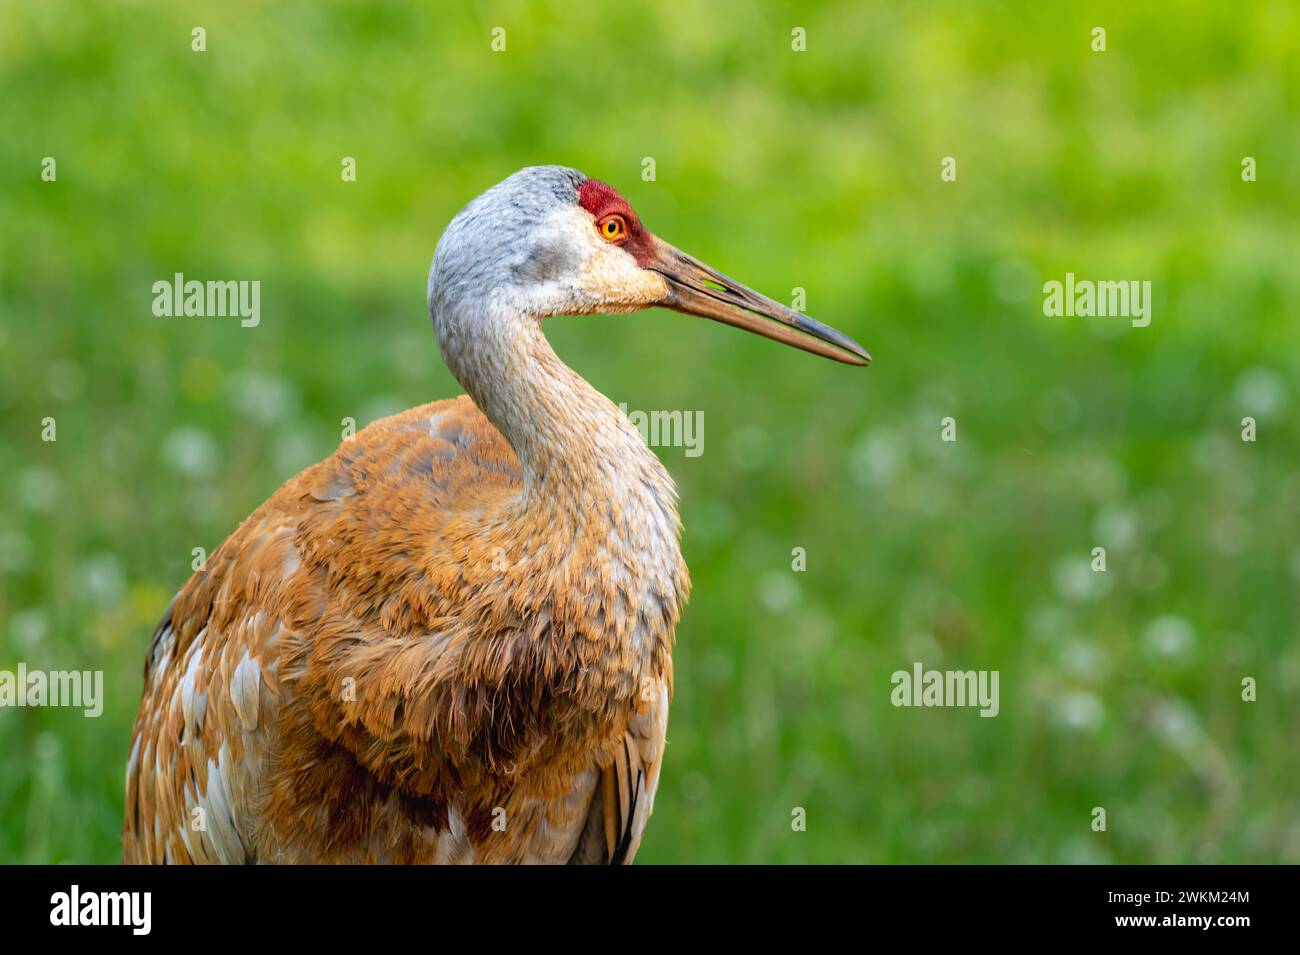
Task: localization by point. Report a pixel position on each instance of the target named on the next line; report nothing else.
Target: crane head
(565, 244)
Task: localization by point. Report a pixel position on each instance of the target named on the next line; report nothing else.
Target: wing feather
(625, 797)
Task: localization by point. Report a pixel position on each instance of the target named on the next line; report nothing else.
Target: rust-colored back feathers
(395, 660)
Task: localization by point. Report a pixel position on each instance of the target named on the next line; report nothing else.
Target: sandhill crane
(450, 641)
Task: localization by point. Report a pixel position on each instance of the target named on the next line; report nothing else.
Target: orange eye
(612, 228)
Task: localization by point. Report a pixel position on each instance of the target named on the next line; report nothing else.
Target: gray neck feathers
(579, 452)
(576, 447)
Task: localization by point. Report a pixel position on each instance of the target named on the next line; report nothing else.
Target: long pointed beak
(696, 289)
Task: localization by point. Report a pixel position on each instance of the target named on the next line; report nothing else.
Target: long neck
(578, 451)
(597, 508)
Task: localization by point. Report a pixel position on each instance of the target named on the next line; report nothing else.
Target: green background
(816, 169)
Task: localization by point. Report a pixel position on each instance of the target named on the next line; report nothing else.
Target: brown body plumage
(450, 641)
(299, 671)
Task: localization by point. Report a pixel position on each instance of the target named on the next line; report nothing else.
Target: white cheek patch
(612, 276)
(607, 279)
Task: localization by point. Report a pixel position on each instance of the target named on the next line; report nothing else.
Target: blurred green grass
(819, 170)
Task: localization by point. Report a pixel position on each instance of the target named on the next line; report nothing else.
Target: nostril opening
(715, 285)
